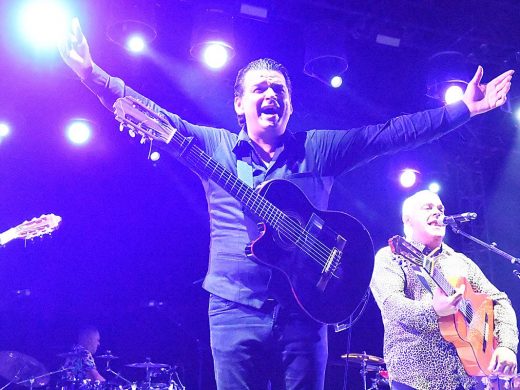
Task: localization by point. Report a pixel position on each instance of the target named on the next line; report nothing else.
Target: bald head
(420, 215)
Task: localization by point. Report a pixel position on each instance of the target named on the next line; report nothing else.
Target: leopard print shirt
(415, 352)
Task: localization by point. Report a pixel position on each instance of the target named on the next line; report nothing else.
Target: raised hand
(481, 98)
(75, 51)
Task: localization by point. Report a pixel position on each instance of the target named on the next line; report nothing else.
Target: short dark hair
(260, 64)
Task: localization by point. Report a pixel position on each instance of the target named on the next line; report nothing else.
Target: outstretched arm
(481, 98)
(75, 51)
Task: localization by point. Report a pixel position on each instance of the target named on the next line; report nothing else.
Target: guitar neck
(205, 165)
(441, 281)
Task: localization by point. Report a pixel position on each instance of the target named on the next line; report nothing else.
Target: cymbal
(148, 365)
(20, 368)
(359, 358)
(107, 356)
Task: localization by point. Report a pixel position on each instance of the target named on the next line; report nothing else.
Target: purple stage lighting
(336, 81)
(79, 132)
(136, 44)
(4, 130)
(212, 38)
(453, 94)
(154, 156)
(408, 177)
(216, 54)
(43, 22)
(434, 187)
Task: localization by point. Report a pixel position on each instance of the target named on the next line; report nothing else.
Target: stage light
(336, 81)
(447, 70)
(212, 40)
(216, 54)
(4, 130)
(79, 132)
(325, 56)
(408, 177)
(136, 43)
(43, 22)
(132, 24)
(454, 93)
(434, 187)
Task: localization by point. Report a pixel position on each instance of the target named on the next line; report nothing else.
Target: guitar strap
(423, 277)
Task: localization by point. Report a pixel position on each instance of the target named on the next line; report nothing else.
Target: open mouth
(270, 110)
(435, 222)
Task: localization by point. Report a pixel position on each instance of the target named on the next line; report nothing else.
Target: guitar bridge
(328, 269)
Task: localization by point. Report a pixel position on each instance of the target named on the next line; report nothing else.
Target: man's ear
(238, 106)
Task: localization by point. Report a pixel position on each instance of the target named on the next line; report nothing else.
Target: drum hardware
(109, 357)
(24, 370)
(368, 363)
(151, 370)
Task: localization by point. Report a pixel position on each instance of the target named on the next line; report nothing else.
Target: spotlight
(336, 81)
(408, 177)
(132, 24)
(43, 22)
(453, 94)
(4, 130)
(434, 187)
(512, 106)
(154, 156)
(136, 43)
(79, 132)
(216, 54)
(325, 57)
(212, 40)
(447, 70)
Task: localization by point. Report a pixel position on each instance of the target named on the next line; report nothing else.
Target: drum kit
(23, 370)
(373, 369)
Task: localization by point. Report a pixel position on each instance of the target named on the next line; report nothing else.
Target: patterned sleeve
(87, 361)
(506, 328)
(388, 287)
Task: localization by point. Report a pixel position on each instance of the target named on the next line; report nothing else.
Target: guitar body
(343, 292)
(475, 342)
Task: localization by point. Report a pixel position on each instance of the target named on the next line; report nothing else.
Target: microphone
(456, 218)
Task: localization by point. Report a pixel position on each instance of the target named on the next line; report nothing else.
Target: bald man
(416, 354)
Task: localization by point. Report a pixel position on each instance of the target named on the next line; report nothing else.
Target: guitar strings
(310, 245)
(316, 248)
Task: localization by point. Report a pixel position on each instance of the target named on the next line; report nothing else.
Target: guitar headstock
(400, 247)
(141, 120)
(28, 230)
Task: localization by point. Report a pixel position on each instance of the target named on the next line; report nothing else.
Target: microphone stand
(492, 247)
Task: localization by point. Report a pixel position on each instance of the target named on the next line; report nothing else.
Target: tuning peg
(143, 140)
(131, 133)
(122, 126)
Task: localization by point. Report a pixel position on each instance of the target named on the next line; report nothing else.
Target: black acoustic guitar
(327, 257)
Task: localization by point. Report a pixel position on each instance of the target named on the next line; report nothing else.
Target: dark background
(136, 232)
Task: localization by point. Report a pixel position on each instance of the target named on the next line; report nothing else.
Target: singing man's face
(422, 219)
(265, 103)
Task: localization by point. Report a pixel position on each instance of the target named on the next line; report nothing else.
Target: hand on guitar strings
(446, 305)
